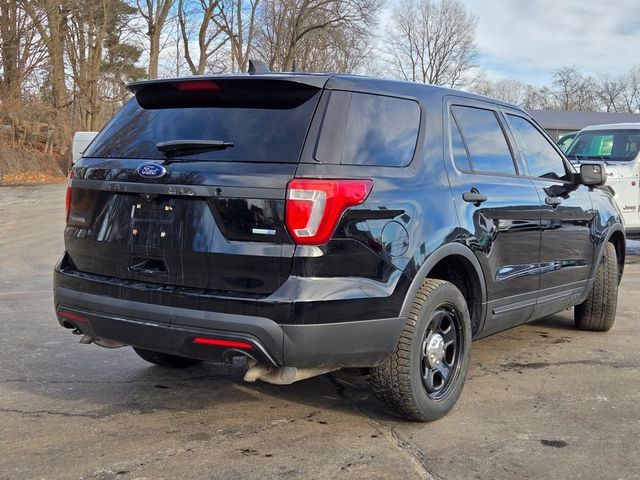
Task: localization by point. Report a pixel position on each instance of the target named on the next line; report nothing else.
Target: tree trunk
(56, 58)
(9, 49)
(154, 52)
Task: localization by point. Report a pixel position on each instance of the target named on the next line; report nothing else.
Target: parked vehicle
(81, 141)
(565, 141)
(618, 147)
(311, 222)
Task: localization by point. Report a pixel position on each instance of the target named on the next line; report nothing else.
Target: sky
(529, 39)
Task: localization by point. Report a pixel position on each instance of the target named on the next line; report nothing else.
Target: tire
(407, 384)
(165, 359)
(598, 312)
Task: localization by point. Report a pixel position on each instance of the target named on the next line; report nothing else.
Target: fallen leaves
(29, 178)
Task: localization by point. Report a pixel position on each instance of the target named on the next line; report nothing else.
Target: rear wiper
(190, 147)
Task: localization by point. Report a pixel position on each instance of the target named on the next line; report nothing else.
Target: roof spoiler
(256, 67)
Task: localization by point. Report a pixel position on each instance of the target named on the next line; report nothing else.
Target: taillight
(314, 206)
(197, 86)
(76, 317)
(67, 200)
(219, 342)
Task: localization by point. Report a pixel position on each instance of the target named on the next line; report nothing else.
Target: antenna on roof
(257, 67)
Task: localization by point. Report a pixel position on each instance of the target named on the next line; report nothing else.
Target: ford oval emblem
(151, 170)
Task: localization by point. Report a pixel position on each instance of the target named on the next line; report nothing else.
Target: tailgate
(224, 238)
(213, 219)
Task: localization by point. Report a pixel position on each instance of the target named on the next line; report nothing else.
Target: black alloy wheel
(441, 354)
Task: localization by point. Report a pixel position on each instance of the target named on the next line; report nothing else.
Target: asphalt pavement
(541, 401)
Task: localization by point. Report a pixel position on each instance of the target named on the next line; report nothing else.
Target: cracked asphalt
(541, 401)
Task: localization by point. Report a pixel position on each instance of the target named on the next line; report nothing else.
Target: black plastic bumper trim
(364, 343)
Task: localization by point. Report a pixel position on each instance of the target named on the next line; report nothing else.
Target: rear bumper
(172, 329)
(632, 232)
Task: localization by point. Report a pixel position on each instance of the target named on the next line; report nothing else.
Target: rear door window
(458, 149)
(266, 121)
(377, 130)
(542, 159)
(485, 140)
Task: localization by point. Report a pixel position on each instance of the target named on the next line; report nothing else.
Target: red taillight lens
(314, 206)
(76, 317)
(67, 200)
(219, 342)
(197, 85)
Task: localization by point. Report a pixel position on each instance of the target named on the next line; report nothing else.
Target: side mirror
(592, 174)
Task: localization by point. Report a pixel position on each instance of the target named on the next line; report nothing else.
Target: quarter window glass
(380, 131)
(485, 140)
(542, 159)
(460, 157)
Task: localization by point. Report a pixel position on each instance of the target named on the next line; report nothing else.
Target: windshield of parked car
(565, 141)
(608, 145)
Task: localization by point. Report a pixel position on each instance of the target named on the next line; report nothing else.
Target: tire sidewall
(446, 293)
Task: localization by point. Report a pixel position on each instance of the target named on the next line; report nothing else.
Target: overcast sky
(528, 39)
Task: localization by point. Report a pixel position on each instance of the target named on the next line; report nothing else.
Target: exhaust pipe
(87, 339)
(282, 375)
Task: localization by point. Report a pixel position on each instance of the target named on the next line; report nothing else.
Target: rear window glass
(265, 122)
(379, 131)
(485, 140)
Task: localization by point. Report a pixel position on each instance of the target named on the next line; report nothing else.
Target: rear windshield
(617, 145)
(266, 121)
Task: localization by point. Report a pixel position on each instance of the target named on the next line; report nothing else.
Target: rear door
(567, 246)
(213, 219)
(499, 211)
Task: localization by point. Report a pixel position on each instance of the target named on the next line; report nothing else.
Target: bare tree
(20, 48)
(92, 30)
(237, 20)
(432, 41)
(196, 19)
(630, 95)
(574, 91)
(608, 91)
(539, 98)
(339, 50)
(296, 34)
(509, 90)
(155, 14)
(49, 17)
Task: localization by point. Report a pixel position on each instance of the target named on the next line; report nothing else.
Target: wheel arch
(617, 237)
(445, 263)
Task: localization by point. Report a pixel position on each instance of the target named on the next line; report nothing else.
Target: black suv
(312, 222)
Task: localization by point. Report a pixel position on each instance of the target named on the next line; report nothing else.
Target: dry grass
(23, 165)
(30, 178)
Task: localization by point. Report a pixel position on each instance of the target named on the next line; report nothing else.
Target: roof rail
(257, 67)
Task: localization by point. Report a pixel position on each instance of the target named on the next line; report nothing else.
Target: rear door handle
(553, 201)
(474, 196)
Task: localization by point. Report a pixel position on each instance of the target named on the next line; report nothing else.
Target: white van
(81, 141)
(618, 146)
